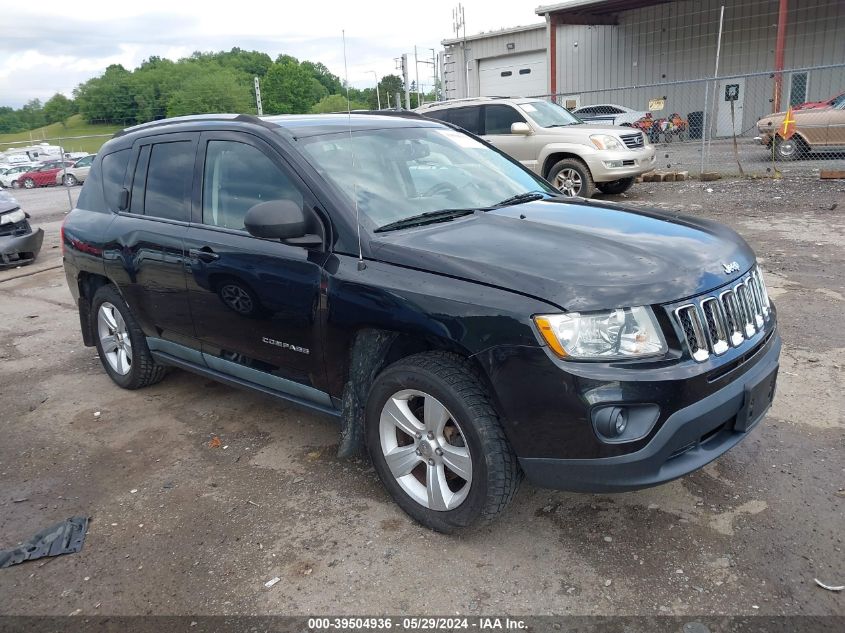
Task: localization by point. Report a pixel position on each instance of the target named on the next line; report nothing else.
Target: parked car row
(52, 172)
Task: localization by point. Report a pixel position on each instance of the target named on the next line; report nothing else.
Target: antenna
(361, 264)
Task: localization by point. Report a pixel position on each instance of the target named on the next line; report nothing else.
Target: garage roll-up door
(520, 75)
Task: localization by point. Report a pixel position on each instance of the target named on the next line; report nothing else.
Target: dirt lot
(179, 527)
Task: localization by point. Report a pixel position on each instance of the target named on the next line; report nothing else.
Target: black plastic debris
(66, 537)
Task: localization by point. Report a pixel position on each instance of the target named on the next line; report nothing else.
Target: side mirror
(520, 127)
(280, 220)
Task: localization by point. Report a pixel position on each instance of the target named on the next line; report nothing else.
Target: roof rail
(246, 118)
(409, 114)
(461, 99)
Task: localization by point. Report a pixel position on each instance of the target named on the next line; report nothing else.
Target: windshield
(547, 114)
(399, 173)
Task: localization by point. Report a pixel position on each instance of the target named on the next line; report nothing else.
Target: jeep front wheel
(437, 444)
(572, 178)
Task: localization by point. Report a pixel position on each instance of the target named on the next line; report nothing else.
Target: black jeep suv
(462, 321)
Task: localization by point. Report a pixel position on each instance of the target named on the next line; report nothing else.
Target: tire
(469, 430)
(563, 176)
(16, 184)
(140, 370)
(29, 183)
(616, 186)
(790, 149)
(69, 180)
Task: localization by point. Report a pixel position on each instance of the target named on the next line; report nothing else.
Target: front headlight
(605, 141)
(14, 216)
(614, 334)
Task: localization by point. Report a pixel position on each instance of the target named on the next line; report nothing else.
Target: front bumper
(634, 163)
(20, 249)
(689, 439)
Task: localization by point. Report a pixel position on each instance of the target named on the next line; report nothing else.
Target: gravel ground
(179, 527)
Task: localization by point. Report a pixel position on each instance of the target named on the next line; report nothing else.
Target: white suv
(558, 146)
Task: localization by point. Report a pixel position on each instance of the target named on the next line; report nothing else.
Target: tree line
(199, 84)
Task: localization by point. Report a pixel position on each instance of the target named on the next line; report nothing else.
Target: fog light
(610, 164)
(615, 424)
(621, 422)
(611, 422)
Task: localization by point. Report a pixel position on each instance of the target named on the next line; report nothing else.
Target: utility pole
(459, 23)
(405, 79)
(417, 73)
(258, 98)
(434, 72)
(378, 96)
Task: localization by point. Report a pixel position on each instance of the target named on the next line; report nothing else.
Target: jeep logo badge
(732, 267)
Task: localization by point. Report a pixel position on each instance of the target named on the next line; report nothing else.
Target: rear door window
(440, 115)
(467, 118)
(169, 178)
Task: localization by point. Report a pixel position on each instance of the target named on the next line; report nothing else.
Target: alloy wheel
(29, 183)
(425, 450)
(114, 338)
(568, 181)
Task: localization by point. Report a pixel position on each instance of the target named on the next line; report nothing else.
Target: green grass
(76, 126)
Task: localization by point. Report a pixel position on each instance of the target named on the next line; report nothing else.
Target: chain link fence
(727, 124)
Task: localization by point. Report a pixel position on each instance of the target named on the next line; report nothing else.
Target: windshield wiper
(519, 198)
(429, 217)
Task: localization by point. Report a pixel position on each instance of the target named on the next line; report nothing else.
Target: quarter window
(238, 176)
(113, 169)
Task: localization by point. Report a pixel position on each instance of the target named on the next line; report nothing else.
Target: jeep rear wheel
(121, 344)
(572, 178)
(437, 444)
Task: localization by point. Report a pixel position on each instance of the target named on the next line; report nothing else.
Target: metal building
(509, 62)
(773, 53)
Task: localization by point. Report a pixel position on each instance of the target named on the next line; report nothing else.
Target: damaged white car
(19, 242)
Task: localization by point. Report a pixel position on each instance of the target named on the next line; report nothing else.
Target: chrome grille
(713, 324)
(632, 141)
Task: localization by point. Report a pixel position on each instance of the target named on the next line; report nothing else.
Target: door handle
(204, 254)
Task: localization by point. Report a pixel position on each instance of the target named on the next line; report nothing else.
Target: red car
(814, 105)
(43, 175)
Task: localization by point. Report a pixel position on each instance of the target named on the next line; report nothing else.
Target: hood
(7, 202)
(576, 255)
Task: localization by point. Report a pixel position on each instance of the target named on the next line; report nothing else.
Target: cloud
(52, 50)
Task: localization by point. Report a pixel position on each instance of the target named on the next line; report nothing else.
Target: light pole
(378, 96)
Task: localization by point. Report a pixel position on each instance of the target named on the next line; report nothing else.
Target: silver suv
(549, 140)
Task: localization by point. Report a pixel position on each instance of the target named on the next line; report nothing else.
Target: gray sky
(49, 47)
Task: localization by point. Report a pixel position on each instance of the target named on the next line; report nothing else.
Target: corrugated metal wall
(677, 41)
(494, 45)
